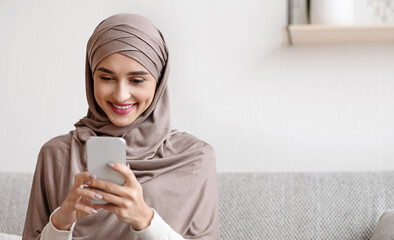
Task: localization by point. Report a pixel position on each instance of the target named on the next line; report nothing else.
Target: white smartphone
(99, 152)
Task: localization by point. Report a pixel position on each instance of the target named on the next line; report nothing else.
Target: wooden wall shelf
(324, 34)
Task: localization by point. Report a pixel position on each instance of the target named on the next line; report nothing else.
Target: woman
(171, 188)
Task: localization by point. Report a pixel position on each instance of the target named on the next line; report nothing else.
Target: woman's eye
(137, 80)
(106, 78)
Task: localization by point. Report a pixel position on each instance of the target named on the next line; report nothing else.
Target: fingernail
(92, 176)
(111, 164)
(88, 182)
(128, 165)
(94, 211)
(98, 196)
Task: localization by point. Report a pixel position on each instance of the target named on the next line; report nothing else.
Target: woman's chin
(122, 122)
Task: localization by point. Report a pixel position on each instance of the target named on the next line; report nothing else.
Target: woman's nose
(122, 92)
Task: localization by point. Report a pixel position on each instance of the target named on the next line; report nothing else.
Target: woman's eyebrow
(105, 70)
(102, 69)
(138, 73)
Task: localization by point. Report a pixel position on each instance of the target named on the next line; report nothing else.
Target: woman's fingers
(126, 201)
(77, 204)
(85, 209)
(77, 190)
(79, 201)
(109, 197)
(109, 188)
(86, 192)
(125, 171)
(82, 178)
(130, 181)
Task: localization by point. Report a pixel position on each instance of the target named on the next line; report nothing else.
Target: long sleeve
(51, 233)
(158, 230)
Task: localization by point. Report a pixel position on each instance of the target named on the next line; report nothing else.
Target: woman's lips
(121, 108)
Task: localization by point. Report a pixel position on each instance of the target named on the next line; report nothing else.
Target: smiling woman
(123, 88)
(170, 189)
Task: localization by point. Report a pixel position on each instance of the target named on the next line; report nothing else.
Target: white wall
(262, 105)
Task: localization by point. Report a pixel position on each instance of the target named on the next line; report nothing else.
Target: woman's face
(123, 88)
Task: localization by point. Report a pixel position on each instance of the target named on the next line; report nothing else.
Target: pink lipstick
(121, 108)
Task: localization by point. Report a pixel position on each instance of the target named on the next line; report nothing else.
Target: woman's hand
(127, 201)
(77, 204)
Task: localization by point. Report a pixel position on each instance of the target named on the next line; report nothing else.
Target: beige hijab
(176, 170)
(135, 37)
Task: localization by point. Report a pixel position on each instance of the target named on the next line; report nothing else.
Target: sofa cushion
(15, 191)
(343, 205)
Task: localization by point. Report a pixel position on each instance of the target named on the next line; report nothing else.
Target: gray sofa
(266, 205)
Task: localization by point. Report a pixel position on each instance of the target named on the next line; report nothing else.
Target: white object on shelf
(383, 10)
(298, 12)
(332, 12)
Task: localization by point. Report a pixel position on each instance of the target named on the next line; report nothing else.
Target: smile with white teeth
(122, 107)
